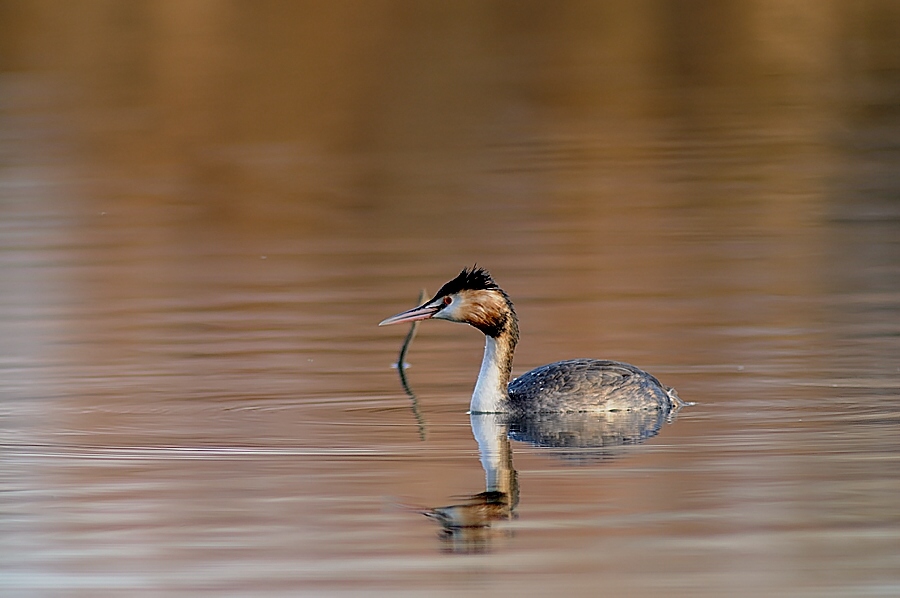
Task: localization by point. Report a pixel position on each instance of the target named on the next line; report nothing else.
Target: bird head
(471, 298)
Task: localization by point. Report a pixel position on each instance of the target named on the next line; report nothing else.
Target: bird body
(579, 385)
(575, 385)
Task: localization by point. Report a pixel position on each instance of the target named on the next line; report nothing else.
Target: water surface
(206, 209)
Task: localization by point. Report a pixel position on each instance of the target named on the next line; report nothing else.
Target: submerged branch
(401, 368)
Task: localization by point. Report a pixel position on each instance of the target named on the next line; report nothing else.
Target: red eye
(447, 300)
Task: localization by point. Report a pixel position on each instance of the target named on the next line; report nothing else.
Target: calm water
(206, 208)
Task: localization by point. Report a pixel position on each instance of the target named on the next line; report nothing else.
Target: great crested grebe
(575, 385)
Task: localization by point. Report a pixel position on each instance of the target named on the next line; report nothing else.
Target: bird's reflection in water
(468, 526)
(589, 436)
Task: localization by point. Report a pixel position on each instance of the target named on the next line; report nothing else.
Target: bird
(570, 386)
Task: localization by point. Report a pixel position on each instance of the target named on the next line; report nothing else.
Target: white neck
(490, 394)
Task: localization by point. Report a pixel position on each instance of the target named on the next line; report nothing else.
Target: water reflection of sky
(205, 208)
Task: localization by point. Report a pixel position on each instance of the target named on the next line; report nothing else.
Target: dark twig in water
(401, 367)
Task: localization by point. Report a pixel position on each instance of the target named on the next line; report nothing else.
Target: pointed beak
(423, 312)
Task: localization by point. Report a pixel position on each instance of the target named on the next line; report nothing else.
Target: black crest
(474, 279)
